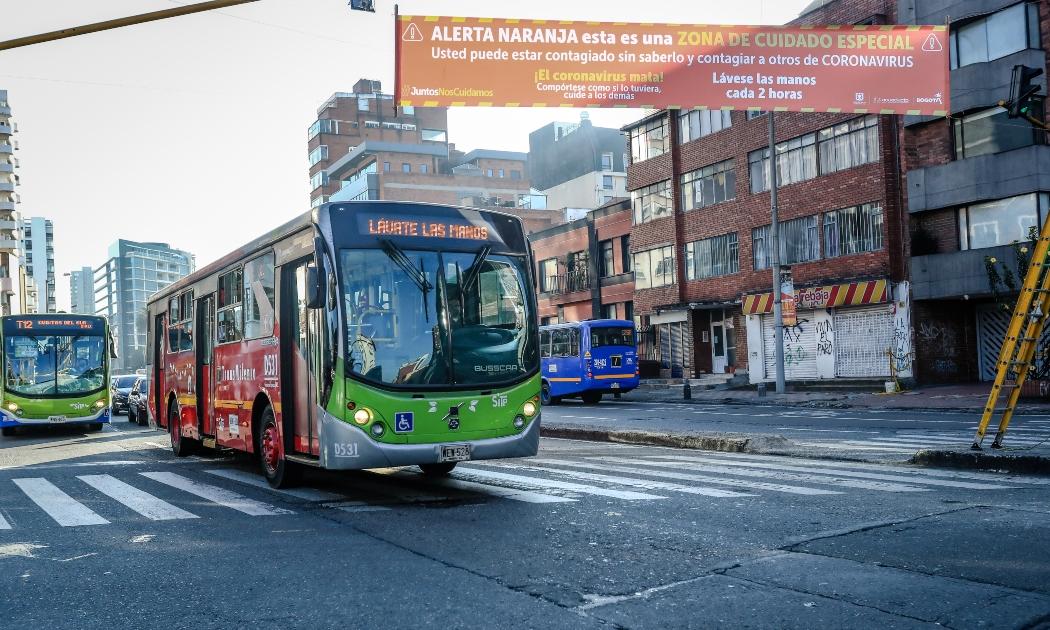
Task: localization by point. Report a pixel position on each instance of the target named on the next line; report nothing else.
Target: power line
(278, 26)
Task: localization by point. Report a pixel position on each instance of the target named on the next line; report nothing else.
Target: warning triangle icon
(412, 33)
(932, 44)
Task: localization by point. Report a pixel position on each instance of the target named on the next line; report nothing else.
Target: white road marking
(215, 494)
(721, 481)
(67, 511)
(142, 502)
(645, 484)
(787, 476)
(537, 482)
(308, 494)
(853, 447)
(825, 430)
(3, 523)
(847, 473)
(481, 488)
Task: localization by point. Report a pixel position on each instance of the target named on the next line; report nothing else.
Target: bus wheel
(591, 398)
(437, 470)
(7, 431)
(280, 473)
(181, 446)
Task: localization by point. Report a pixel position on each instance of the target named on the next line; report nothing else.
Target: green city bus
(56, 371)
(365, 334)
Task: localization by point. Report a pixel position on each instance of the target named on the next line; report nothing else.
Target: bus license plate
(617, 360)
(56, 418)
(615, 386)
(455, 453)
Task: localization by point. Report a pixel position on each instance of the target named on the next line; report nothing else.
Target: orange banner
(828, 296)
(888, 69)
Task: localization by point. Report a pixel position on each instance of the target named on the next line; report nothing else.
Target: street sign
(788, 315)
(887, 69)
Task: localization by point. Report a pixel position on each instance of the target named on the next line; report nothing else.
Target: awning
(828, 296)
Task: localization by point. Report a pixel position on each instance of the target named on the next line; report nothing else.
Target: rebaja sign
(889, 69)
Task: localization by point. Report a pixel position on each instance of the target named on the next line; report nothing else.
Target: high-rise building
(38, 256)
(11, 283)
(578, 165)
(82, 291)
(124, 283)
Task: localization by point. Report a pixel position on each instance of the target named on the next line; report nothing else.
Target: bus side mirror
(314, 288)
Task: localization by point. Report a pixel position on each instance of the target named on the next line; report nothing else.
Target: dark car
(121, 388)
(137, 412)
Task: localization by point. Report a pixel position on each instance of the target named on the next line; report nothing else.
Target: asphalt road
(875, 431)
(110, 530)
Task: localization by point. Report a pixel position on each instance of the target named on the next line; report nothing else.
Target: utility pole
(163, 14)
(774, 238)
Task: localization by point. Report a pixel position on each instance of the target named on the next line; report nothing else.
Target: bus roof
(592, 323)
(291, 227)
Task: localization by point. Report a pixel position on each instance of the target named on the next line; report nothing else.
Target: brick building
(700, 242)
(584, 266)
(976, 182)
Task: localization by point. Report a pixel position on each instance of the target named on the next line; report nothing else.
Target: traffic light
(363, 5)
(1022, 91)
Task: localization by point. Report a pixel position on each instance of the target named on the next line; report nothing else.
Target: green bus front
(56, 370)
(438, 356)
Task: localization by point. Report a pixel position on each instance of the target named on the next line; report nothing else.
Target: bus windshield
(437, 318)
(611, 336)
(54, 365)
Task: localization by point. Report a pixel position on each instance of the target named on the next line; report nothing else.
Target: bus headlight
(378, 429)
(362, 416)
(100, 403)
(529, 408)
(519, 421)
(12, 406)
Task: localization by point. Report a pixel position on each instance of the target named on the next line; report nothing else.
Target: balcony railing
(568, 282)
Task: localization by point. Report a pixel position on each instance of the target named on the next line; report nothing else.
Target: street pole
(774, 243)
(163, 14)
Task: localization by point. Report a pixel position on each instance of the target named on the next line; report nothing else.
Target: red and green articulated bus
(56, 371)
(365, 334)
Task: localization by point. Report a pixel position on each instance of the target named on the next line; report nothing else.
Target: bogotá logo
(932, 44)
(412, 33)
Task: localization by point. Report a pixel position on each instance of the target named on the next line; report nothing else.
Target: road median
(725, 442)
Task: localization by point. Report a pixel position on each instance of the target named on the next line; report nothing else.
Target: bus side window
(545, 343)
(574, 342)
(173, 325)
(559, 343)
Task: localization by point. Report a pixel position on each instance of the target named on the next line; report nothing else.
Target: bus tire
(279, 472)
(437, 470)
(181, 446)
(7, 431)
(591, 398)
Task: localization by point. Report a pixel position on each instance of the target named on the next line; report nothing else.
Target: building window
(488, 172)
(710, 257)
(654, 267)
(607, 182)
(324, 126)
(607, 161)
(605, 259)
(755, 113)
(996, 35)
(434, 135)
(853, 230)
(848, 144)
(423, 168)
(652, 202)
(319, 179)
(318, 154)
(258, 297)
(799, 242)
(228, 308)
(609, 311)
(709, 185)
(649, 140)
(628, 310)
(625, 253)
(548, 274)
(318, 200)
(406, 167)
(408, 110)
(1001, 222)
(796, 162)
(386, 167)
(991, 131)
(697, 123)
(362, 103)
(502, 173)
(515, 174)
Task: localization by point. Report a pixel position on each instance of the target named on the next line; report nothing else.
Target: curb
(829, 404)
(724, 442)
(978, 460)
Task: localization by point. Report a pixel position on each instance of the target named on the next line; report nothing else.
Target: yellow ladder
(1022, 339)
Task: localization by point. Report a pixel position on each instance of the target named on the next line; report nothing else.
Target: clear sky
(192, 131)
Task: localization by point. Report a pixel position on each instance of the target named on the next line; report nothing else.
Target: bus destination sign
(51, 324)
(431, 228)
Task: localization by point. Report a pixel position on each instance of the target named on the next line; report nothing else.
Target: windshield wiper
(475, 267)
(417, 276)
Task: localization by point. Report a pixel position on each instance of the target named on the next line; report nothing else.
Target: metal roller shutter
(800, 348)
(991, 330)
(862, 337)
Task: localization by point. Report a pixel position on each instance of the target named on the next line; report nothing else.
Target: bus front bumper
(8, 419)
(346, 447)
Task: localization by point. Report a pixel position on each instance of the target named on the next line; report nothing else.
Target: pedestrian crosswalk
(908, 442)
(625, 474)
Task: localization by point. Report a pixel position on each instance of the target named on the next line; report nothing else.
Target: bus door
(204, 352)
(156, 388)
(300, 336)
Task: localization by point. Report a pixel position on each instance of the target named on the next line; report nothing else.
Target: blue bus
(588, 359)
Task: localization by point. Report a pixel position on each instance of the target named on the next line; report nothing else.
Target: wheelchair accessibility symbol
(403, 422)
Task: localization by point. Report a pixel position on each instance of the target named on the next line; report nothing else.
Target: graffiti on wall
(939, 341)
(902, 355)
(794, 352)
(825, 345)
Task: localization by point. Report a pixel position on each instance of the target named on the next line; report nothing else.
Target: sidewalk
(969, 398)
